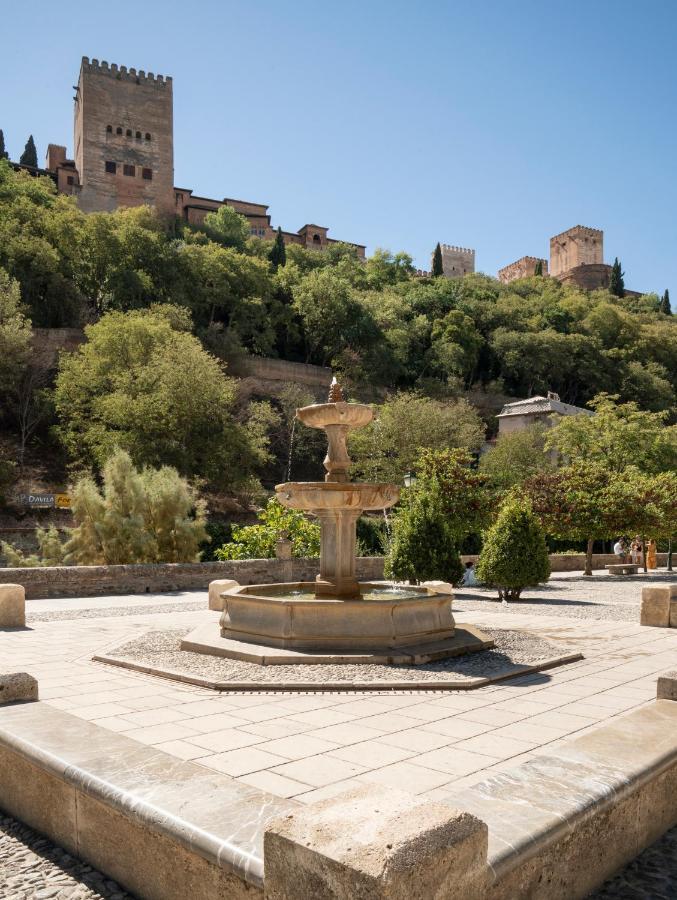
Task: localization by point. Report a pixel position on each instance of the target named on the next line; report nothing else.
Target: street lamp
(409, 479)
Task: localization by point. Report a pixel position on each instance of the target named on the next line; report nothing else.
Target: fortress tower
(124, 146)
(579, 246)
(457, 261)
(522, 268)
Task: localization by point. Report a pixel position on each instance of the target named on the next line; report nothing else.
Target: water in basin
(374, 594)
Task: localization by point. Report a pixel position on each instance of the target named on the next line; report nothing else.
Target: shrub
(514, 555)
(423, 546)
(258, 541)
(371, 536)
(147, 516)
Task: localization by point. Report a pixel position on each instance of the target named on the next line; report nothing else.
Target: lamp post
(409, 479)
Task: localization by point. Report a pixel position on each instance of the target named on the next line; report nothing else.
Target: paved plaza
(314, 745)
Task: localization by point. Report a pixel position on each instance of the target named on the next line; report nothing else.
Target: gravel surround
(161, 649)
(33, 868)
(652, 876)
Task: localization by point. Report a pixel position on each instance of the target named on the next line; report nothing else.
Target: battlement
(453, 249)
(122, 73)
(579, 230)
(524, 267)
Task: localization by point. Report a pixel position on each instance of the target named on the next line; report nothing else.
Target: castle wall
(124, 150)
(579, 246)
(521, 268)
(588, 277)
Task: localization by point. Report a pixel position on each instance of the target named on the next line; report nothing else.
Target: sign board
(44, 501)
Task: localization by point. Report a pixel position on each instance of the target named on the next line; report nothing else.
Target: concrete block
(655, 609)
(12, 606)
(673, 613)
(374, 843)
(17, 686)
(216, 588)
(666, 686)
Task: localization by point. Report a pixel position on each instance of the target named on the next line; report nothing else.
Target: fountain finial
(335, 392)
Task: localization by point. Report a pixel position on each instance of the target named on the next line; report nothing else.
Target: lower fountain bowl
(291, 616)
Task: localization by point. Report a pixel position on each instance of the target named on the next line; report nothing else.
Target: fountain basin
(292, 616)
(352, 415)
(335, 495)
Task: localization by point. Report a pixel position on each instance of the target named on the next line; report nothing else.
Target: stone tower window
(148, 135)
(118, 130)
(316, 238)
(111, 168)
(109, 129)
(138, 134)
(129, 132)
(129, 170)
(147, 174)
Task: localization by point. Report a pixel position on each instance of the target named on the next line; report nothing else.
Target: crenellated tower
(124, 146)
(457, 261)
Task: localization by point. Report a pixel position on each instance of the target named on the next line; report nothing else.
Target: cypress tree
(616, 283)
(3, 153)
(278, 252)
(437, 267)
(539, 267)
(30, 155)
(665, 303)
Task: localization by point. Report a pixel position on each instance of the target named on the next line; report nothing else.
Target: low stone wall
(575, 562)
(91, 581)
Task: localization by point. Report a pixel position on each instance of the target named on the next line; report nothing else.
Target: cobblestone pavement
(652, 876)
(33, 868)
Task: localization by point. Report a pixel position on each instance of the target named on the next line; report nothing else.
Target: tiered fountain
(337, 618)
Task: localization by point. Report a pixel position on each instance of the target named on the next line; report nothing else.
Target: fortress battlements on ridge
(124, 154)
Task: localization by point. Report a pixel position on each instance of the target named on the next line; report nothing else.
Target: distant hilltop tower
(124, 144)
(579, 246)
(457, 261)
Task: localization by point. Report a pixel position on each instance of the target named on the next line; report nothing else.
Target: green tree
(141, 385)
(15, 338)
(616, 280)
(3, 153)
(514, 555)
(275, 521)
(30, 155)
(437, 268)
(227, 227)
(405, 424)
(278, 252)
(576, 503)
(515, 457)
(464, 493)
(617, 436)
(147, 516)
(422, 547)
(665, 303)
(538, 270)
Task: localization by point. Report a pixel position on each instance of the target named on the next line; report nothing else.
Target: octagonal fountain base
(289, 624)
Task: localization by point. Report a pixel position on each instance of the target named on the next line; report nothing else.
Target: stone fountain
(336, 618)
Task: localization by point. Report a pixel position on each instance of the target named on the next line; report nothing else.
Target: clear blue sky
(491, 124)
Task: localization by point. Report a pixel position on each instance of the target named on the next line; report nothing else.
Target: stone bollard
(666, 686)
(377, 843)
(659, 606)
(12, 606)
(17, 686)
(216, 588)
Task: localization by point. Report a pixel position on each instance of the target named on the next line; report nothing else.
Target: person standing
(636, 551)
(651, 554)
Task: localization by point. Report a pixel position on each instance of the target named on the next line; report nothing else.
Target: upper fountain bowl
(320, 415)
(324, 495)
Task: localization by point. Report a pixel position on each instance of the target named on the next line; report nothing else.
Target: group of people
(631, 552)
